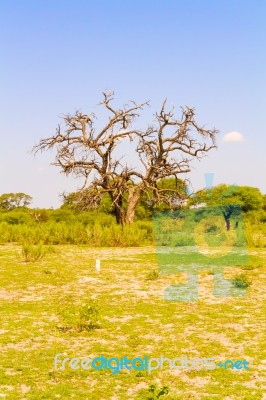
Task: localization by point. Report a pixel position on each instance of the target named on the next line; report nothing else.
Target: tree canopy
(9, 201)
(249, 198)
(231, 199)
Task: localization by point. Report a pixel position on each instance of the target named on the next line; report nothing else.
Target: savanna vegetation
(76, 222)
(54, 300)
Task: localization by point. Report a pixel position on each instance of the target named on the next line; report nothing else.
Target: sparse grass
(134, 320)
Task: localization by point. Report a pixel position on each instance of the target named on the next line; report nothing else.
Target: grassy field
(41, 315)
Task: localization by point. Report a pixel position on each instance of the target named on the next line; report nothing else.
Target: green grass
(61, 304)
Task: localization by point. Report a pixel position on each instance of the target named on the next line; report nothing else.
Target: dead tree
(165, 149)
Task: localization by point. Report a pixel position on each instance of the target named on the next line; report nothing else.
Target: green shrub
(241, 282)
(5, 234)
(154, 393)
(88, 318)
(95, 228)
(65, 226)
(255, 234)
(31, 253)
(83, 317)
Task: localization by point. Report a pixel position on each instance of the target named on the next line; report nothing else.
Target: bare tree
(165, 149)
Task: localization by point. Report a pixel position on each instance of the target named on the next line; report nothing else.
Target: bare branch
(165, 150)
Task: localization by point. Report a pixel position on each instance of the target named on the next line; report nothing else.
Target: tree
(232, 199)
(165, 149)
(9, 201)
(249, 198)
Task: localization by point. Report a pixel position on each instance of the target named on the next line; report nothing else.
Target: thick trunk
(133, 199)
(119, 216)
(126, 216)
(119, 212)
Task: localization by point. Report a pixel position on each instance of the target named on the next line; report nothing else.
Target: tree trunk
(133, 199)
(227, 214)
(119, 212)
(227, 222)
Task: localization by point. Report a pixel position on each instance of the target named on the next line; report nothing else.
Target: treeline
(72, 224)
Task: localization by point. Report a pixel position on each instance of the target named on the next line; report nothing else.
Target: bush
(93, 228)
(241, 282)
(116, 235)
(154, 392)
(16, 217)
(152, 275)
(65, 227)
(88, 316)
(83, 317)
(255, 234)
(32, 253)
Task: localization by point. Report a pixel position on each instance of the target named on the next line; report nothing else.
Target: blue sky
(58, 56)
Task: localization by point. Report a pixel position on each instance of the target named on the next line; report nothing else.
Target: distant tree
(165, 149)
(10, 201)
(232, 199)
(249, 198)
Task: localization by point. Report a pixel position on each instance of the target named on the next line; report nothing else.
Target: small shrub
(241, 281)
(183, 240)
(152, 275)
(212, 228)
(89, 316)
(33, 253)
(155, 393)
(80, 318)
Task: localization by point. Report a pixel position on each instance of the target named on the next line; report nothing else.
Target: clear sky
(58, 56)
